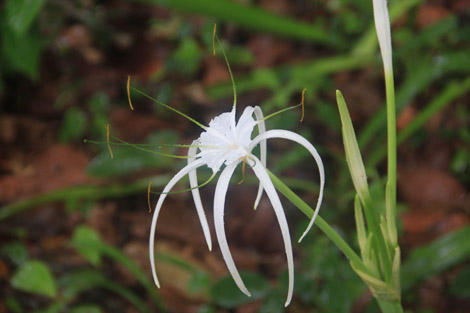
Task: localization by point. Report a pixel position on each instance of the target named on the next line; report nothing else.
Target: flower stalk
(378, 240)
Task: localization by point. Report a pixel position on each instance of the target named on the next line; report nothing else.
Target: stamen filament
(147, 144)
(169, 108)
(280, 111)
(107, 140)
(188, 189)
(229, 71)
(138, 147)
(303, 105)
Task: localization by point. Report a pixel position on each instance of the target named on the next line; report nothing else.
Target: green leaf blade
(35, 277)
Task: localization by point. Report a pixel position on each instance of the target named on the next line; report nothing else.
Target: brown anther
(303, 105)
(213, 39)
(148, 197)
(129, 91)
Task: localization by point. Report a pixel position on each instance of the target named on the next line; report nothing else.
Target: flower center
(226, 142)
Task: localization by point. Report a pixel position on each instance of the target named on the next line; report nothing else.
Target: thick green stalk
(391, 142)
(321, 223)
(390, 306)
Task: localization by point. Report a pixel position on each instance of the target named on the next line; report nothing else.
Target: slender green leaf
(353, 154)
(360, 223)
(251, 18)
(436, 257)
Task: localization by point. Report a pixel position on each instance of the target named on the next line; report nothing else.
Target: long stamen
(139, 147)
(169, 108)
(175, 145)
(188, 189)
(229, 70)
(129, 91)
(280, 111)
(107, 141)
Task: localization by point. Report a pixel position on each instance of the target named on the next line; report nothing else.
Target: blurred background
(74, 223)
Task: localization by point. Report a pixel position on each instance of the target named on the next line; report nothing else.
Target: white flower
(227, 142)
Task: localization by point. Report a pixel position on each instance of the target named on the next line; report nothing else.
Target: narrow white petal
(263, 177)
(285, 134)
(219, 206)
(233, 122)
(262, 130)
(382, 26)
(185, 170)
(196, 196)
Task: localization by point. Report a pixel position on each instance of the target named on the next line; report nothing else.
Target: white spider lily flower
(226, 142)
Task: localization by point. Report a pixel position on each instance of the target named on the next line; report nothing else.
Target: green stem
(451, 92)
(390, 306)
(320, 222)
(392, 144)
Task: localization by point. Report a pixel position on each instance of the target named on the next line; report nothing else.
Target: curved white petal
(262, 130)
(285, 134)
(196, 196)
(219, 206)
(263, 177)
(185, 170)
(245, 126)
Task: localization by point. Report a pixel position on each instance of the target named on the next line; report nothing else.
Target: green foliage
(15, 251)
(20, 14)
(86, 308)
(98, 105)
(21, 43)
(13, 305)
(460, 286)
(252, 18)
(35, 277)
(88, 243)
(77, 282)
(73, 125)
(273, 302)
(186, 59)
(226, 294)
(445, 252)
(90, 246)
(324, 278)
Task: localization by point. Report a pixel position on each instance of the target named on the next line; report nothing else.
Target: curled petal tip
(246, 292)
